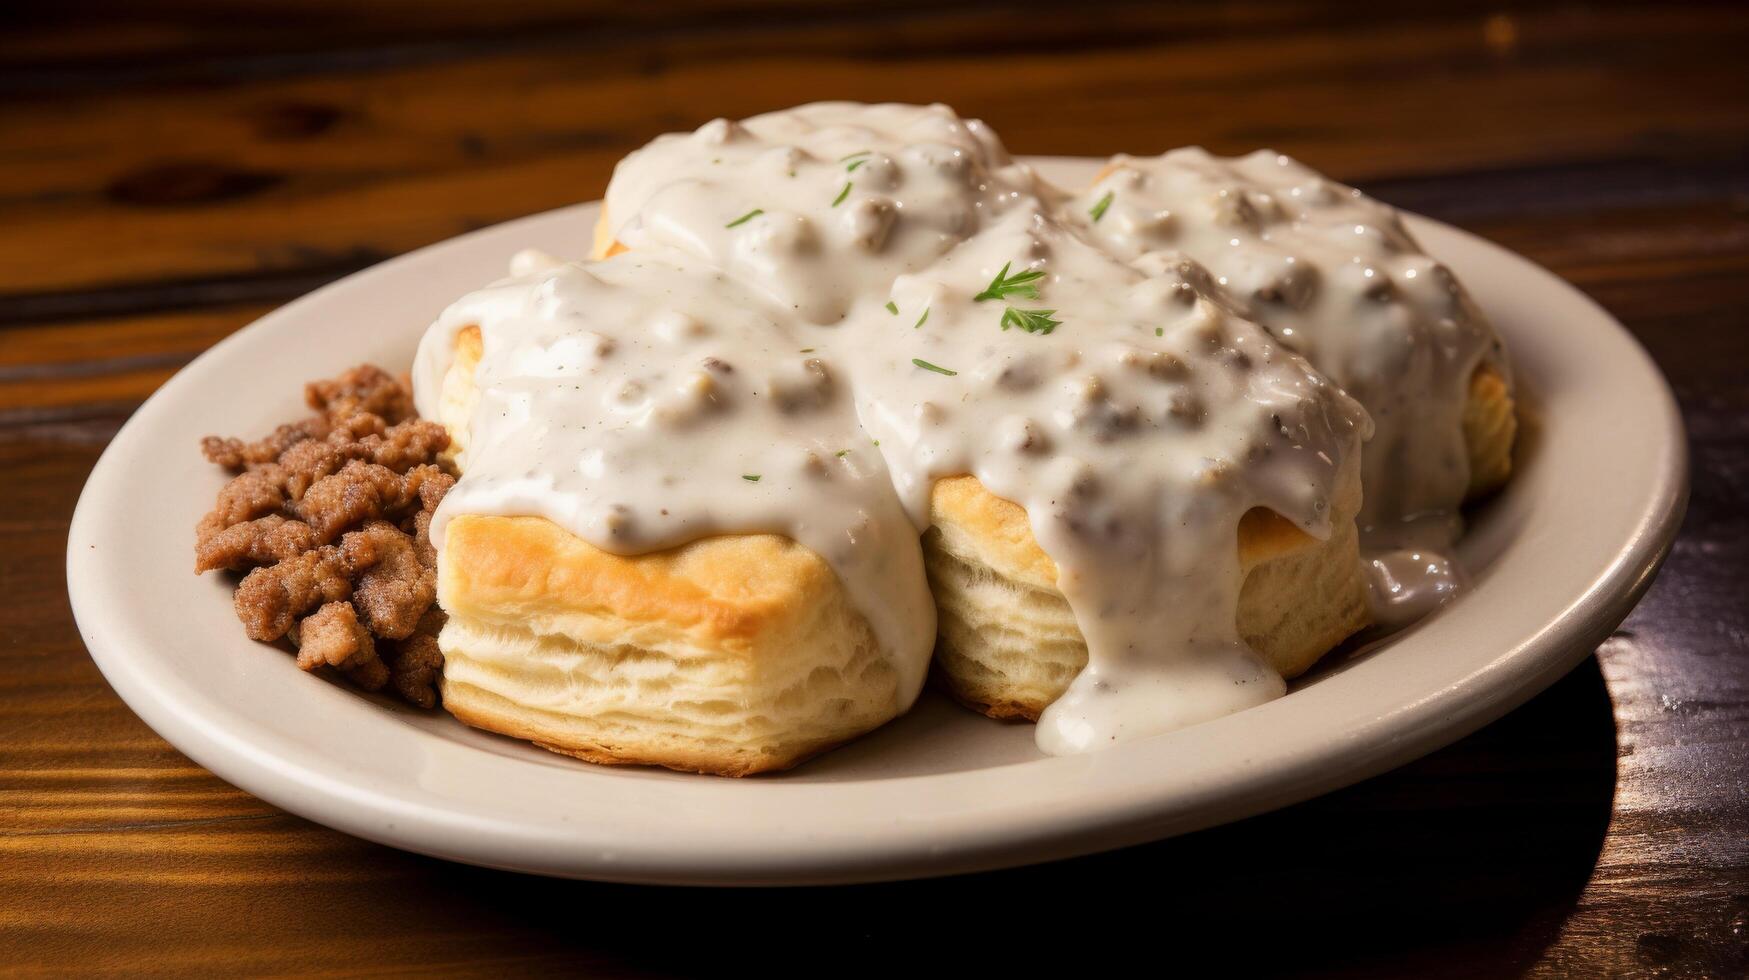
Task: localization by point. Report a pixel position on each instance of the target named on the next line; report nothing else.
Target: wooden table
(166, 178)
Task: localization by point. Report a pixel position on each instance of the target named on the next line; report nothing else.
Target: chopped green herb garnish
(1032, 321)
(892, 308)
(1159, 331)
(1098, 210)
(750, 477)
(921, 319)
(925, 365)
(852, 156)
(850, 167)
(842, 453)
(807, 350)
(749, 216)
(877, 442)
(842, 194)
(1003, 286)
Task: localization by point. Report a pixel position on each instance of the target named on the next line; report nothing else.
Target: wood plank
(412, 154)
(178, 32)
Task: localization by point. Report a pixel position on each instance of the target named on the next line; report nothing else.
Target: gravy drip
(1136, 433)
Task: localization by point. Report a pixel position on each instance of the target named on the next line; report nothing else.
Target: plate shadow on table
(1483, 847)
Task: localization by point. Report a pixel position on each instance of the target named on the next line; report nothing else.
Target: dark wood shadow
(1489, 872)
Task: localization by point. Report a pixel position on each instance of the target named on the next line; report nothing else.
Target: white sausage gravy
(1334, 275)
(825, 310)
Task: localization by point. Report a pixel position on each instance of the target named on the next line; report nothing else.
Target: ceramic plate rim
(772, 832)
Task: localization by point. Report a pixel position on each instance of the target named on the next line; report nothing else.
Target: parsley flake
(1004, 285)
(1098, 210)
(1032, 321)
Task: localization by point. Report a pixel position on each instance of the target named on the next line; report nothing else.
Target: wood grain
(168, 172)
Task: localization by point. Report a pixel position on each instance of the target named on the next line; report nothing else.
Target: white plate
(1559, 559)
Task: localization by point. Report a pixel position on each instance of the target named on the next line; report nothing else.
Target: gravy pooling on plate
(825, 310)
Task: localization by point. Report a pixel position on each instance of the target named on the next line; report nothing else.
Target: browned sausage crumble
(329, 517)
